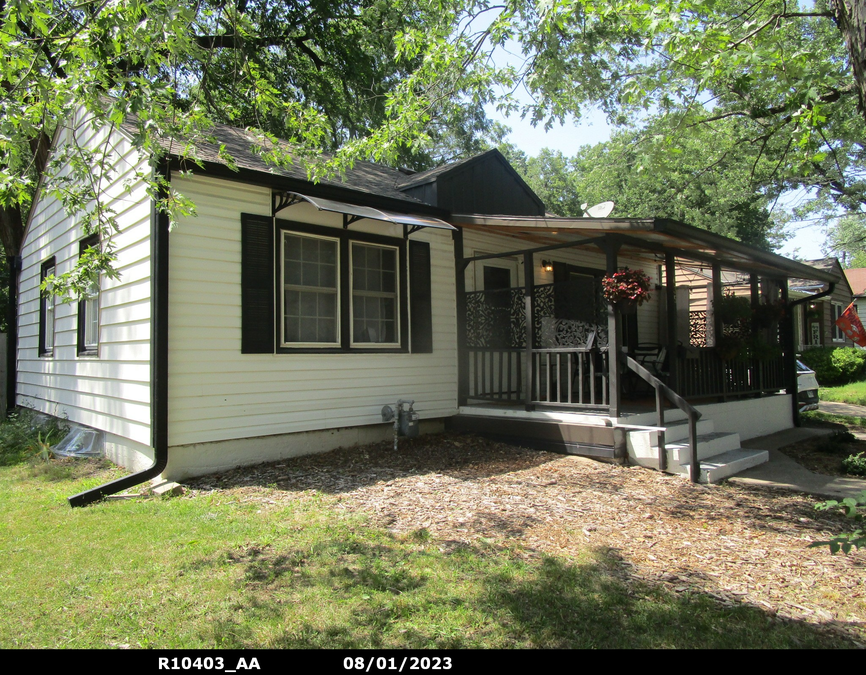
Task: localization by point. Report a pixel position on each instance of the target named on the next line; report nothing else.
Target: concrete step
(643, 447)
(717, 468)
(643, 442)
(709, 445)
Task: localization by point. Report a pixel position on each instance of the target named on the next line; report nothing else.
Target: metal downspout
(13, 263)
(158, 359)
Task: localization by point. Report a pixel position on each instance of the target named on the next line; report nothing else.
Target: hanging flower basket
(626, 289)
(733, 309)
(768, 313)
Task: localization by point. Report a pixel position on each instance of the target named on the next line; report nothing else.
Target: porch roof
(641, 237)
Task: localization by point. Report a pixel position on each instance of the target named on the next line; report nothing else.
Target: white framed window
(375, 295)
(88, 309)
(338, 290)
(837, 309)
(310, 290)
(47, 304)
(91, 317)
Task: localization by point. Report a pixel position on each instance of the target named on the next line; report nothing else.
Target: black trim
(43, 306)
(13, 262)
(421, 301)
(345, 238)
(83, 350)
(257, 284)
(327, 191)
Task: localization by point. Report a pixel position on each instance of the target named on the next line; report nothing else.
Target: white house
(283, 316)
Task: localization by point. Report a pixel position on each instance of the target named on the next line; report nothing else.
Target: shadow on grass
(351, 594)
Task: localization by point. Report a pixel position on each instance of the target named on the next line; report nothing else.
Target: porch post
(529, 284)
(756, 300)
(613, 335)
(786, 329)
(673, 341)
(717, 293)
(460, 290)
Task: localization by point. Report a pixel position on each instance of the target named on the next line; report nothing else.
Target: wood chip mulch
(737, 544)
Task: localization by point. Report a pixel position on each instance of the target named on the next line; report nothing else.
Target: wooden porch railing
(496, 373)
(704, 374)
(570, 376)
(562, 376)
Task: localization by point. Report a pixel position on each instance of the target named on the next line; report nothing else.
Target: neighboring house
(815, 319)
(285, 315)
(857, 281)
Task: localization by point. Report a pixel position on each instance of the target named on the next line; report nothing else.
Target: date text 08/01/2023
(382, 663)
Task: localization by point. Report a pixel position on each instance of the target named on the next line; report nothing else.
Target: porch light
(547, 265)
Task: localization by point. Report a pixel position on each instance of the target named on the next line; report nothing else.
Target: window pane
(48, 313)
(310, 281)
(91, 316)
(374, 294)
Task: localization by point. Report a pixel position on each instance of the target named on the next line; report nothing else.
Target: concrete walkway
(784, 473)
(842, 408)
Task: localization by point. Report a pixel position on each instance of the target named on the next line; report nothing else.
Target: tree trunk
(851, 19)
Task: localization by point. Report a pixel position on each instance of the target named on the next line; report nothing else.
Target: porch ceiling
(641, 238)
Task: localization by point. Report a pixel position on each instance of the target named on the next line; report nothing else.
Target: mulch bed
(823, 456)
(737, 544)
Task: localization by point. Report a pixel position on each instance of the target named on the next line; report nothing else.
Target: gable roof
(857, 280)
(373, 179)
(830, 266)
(485, 183)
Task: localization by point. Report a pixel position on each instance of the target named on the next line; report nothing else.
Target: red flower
(626, 286)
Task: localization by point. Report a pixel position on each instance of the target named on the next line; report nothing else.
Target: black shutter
(257, 284)
(420, 300)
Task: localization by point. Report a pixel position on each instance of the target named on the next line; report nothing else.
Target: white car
(807, 387)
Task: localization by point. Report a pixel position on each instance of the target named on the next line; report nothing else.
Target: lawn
(453, 544)
(855, 393)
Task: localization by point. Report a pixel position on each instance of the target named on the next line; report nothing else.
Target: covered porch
(537, 335)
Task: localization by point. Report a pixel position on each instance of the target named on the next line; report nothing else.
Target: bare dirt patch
(825, 455)
(737, 544)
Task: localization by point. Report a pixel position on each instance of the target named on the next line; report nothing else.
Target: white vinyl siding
(216, 393)
(111, 393)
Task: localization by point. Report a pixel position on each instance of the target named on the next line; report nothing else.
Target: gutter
(823, 294)
(158, 358)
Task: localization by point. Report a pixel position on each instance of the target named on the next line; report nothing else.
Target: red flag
(850, 324)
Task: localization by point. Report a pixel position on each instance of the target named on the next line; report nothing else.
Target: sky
(807, 237)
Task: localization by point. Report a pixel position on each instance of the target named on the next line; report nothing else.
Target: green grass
(854, 392)
(846, 420)
(239, 569)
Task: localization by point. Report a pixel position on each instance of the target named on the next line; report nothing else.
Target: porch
(537, 348)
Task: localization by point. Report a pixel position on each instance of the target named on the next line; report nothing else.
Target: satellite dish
(598, 211)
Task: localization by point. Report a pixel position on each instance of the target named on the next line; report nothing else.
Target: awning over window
(355, 212)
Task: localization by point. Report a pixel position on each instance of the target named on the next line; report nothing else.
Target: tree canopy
(351, 76)
(771, 89)
(764, 78)
(647, 181)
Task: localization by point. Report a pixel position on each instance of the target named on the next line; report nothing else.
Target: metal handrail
(662, 389)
